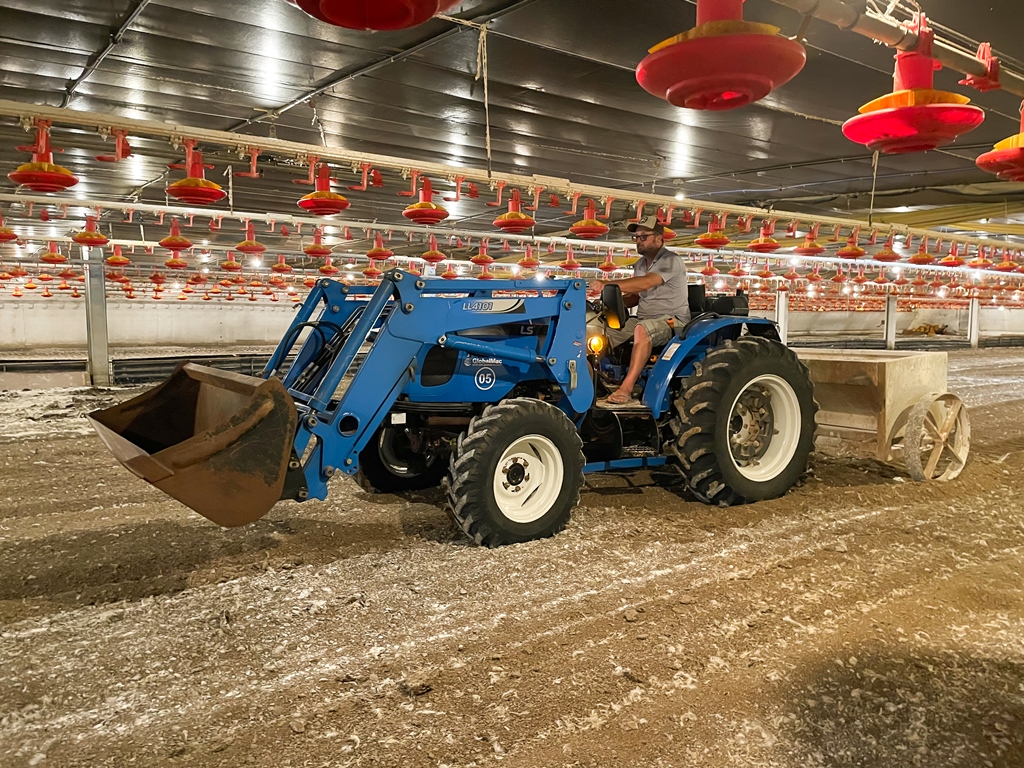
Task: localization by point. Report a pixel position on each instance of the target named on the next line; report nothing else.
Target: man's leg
(642, 347)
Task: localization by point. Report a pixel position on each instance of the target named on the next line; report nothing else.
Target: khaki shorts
(658, 329)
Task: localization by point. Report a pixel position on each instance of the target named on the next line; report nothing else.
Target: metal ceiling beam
(115, 38)
(380, 63)
(892, 34)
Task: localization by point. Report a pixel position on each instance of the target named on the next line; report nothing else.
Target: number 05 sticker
(485, 378)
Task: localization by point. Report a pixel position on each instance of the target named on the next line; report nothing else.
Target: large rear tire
(388, 464)
(745, 422)
(516, 474)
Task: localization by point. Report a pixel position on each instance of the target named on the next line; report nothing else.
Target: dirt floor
(862, 620)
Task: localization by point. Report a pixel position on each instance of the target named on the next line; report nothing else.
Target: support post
(782, 314)
(96, 319)
(891, 305)
(974, 322)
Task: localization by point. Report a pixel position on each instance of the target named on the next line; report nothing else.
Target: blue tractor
(489, 388)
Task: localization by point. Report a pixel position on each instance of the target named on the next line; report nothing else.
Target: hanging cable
(874, 185)
(481, 72)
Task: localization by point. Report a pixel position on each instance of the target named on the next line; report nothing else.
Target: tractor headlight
(596, 344)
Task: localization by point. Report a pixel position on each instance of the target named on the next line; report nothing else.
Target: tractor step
(632, 405)
(638, 451)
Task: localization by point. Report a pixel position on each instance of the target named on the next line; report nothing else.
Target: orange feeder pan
(90, 237)
(514, 222)
(323, 202)
(589, 228)
(722, 63)
(425, 211)
(1006, 161)
(373, 15)
(914, 117)
(529, 261)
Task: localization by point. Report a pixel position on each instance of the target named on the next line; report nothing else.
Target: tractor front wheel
(745, 422)
(516, 473)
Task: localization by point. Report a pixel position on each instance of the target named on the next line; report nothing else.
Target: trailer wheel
(516, 473)
(389, 464)
(745, 420)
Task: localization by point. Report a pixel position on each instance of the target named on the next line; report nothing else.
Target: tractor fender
(685, 349)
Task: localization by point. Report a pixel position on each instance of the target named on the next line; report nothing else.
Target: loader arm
(405, 316)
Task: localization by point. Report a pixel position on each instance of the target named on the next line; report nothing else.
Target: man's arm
(629, 285)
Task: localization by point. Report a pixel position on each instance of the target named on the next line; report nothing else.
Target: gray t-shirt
(670, 299)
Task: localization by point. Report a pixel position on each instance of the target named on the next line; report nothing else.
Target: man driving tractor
(658, 290)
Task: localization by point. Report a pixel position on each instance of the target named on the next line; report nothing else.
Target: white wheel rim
(528, 479)
(753, 457)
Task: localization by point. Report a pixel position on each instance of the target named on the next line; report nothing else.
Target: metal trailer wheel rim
(937, 438)
(746, 428)
(528, 479)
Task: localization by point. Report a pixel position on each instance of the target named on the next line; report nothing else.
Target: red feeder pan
(425, 211)
(433, 257)
(379, 252)
(914, 117)
(323, 202)
(589, 228)
(53, 255)
(570, 264)
(175, 241)
(372, 15)
(250, 246)
(118, 259)
(90, 236)
(515, 221)
(529, 261)
(282, 268)
(317, 248)
(231, 265)
(176, 262)
(764, 244)
(714, 237)
(1006, 161)
(722, 63)
(328, 268)
(42, 175)
(483, 259)
(194, 189)
(7, 235)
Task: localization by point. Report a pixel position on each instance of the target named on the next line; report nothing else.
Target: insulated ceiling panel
(564, 99)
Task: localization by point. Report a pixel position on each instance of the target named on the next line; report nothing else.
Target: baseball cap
(651, 223)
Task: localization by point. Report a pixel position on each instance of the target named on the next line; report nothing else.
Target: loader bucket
(218, 442)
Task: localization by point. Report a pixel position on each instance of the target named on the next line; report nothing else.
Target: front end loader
(486, 387)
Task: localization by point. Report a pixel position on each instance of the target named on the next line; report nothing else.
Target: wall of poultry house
(37, 326)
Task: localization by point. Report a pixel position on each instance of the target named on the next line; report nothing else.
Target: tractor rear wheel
(391, 464)
(516, 473)
(745, 422)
